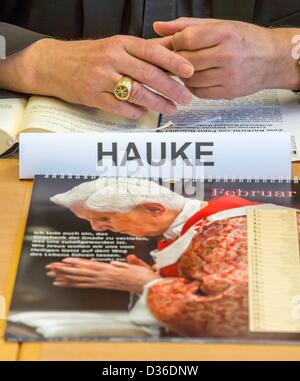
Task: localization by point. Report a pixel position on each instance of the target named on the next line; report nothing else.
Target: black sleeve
(17, 38)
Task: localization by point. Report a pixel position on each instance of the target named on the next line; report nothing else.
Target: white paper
(55, 115)
(232, 155)
(265, 111)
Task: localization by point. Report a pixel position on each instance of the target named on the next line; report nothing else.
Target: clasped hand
(215, 59)
(130, 276)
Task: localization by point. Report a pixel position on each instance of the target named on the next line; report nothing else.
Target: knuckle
(97, 72)
(109, 56)
(118, 107)
(121, 108)
(137, 94)
(149, 74)
(175, 40)
(172, 90)
(134, 113)
(130, 39)
(117, 40)
(228, 30)
(171, 61)
(158, 103)
(177, 88)
(228, 57)
(151, 50)
(189, 38)
(186, 55)
(92, 84)
(109, 53)
(183, 19)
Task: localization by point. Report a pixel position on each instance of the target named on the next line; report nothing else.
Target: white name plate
(165, 155)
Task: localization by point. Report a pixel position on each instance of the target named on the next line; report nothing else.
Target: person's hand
(134, 260)
(231, 58)
(84, 273)
(86, 72)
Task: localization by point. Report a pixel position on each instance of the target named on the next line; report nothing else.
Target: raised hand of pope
(232, 58)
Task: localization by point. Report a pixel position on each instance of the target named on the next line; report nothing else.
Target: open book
(265, 111)
(44, 114)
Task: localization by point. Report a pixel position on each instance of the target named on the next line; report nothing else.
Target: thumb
(134, 260)
(167, 28)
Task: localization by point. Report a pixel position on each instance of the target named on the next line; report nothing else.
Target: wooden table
(14, 203)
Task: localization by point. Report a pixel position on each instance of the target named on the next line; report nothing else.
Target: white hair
(119, 195)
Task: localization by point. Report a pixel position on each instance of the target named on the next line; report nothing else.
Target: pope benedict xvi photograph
(198, 285)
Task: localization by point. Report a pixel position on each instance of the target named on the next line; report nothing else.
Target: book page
(54, 115)
(11, 114)
(265, 111)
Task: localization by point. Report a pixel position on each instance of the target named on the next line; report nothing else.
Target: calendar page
(152, 259)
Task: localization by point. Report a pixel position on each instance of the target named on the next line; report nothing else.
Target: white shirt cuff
(140, 313)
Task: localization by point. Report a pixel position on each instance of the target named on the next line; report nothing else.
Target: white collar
(171, 254)
(191, 207)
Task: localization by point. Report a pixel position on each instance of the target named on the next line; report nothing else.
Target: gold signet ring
(123, 88)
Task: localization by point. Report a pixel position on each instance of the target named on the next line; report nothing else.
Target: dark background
(33, 289)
